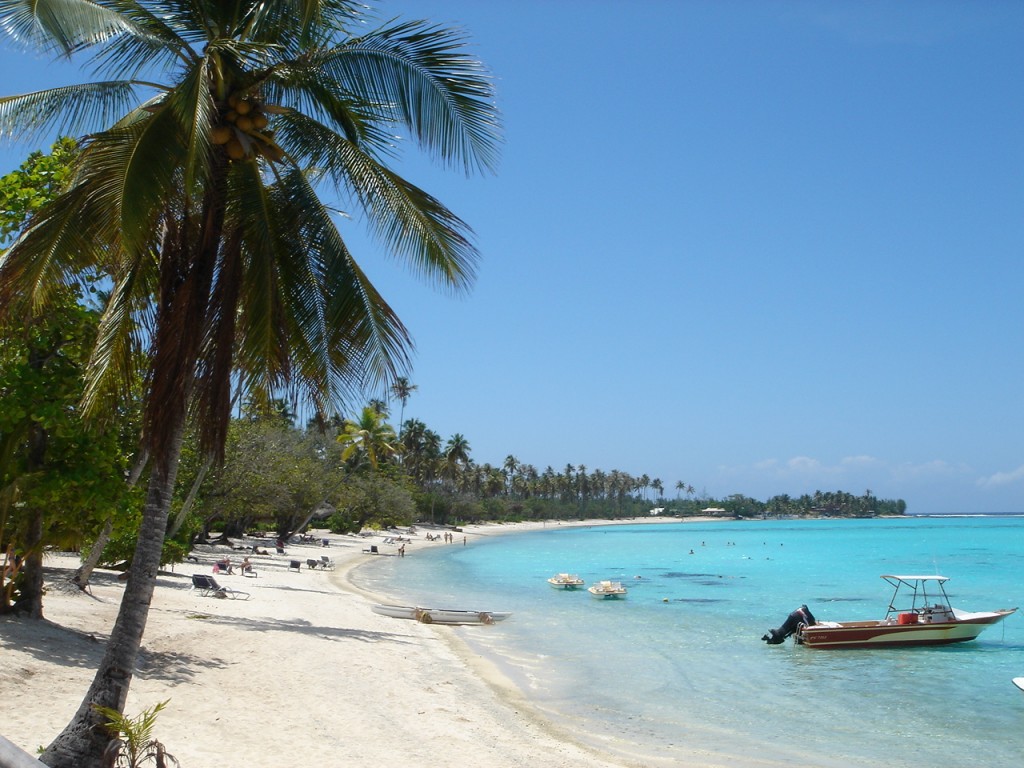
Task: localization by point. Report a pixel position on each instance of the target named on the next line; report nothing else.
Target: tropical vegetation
(214, 135)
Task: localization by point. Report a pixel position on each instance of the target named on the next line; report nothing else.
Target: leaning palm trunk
(92, 559)
(190, 499)
(82, 742)
(186, 276)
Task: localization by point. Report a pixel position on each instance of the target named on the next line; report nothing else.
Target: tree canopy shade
(213, 127)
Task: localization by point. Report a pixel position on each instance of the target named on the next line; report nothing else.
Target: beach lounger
(295, 564)
(326, 563)
(372, 550)
(208, 587)
(312, 563)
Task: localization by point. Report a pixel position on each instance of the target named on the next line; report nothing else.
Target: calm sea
(679, 666)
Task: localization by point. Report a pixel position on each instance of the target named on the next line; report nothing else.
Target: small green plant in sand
(135, 745)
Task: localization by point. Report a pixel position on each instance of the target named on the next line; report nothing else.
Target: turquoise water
(679, 666)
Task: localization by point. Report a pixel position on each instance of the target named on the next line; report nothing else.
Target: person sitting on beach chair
(223, 565)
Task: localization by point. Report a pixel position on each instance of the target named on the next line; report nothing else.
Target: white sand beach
(301, 673)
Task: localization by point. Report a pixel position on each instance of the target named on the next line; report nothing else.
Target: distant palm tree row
(434, 465)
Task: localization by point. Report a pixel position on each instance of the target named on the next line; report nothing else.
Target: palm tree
(370, 437)
(456, 457)
(198, 204)
(402, 389)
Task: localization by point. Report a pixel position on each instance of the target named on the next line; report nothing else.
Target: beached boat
(607, 590)
(440, 615)
(919, 614)
(566, 581)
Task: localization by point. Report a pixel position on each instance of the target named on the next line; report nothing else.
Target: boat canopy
(917, 578)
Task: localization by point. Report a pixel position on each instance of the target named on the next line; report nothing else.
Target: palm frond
(62, 239)
(308, 92)
(60, 26)
(114, 362)
(153, 41)
(366, 342)
(135, 170)
(445, 97)
(412, 223)
(195, 112)
(305, 301)
(70, 109)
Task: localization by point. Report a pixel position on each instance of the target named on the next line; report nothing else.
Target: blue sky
(758, 247)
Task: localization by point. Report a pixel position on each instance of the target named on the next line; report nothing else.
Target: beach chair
(207, 586)
(295, 565)
(326, 563)
(312, 563)
(372, 550)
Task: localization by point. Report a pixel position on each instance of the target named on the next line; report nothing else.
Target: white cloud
(928, 469)
(859, 461)
(1002, 478)
(804, 464)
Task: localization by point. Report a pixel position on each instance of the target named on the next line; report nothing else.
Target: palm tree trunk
(82, 742)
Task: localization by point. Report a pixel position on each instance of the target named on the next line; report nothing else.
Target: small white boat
(607, 590)
(919, 614)
(566, 581)
(1019, 682)
(440, 615)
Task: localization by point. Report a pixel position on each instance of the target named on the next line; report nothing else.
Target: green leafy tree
(193, 193)
(374, 499)
(272, 474)
(58, 475)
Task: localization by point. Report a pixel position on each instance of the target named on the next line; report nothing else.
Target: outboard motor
(801, 615)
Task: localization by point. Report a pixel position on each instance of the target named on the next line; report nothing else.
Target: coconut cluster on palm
(243, 130)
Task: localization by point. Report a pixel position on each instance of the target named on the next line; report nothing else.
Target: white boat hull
(565, 581)
(607, 590)
(440, 615)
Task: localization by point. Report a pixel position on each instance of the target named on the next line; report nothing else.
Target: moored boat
(1019, 682)
(607, 590)
(440, 615)
(566, 581)
(919, 613)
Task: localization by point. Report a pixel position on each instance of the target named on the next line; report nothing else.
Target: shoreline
(302, 667)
